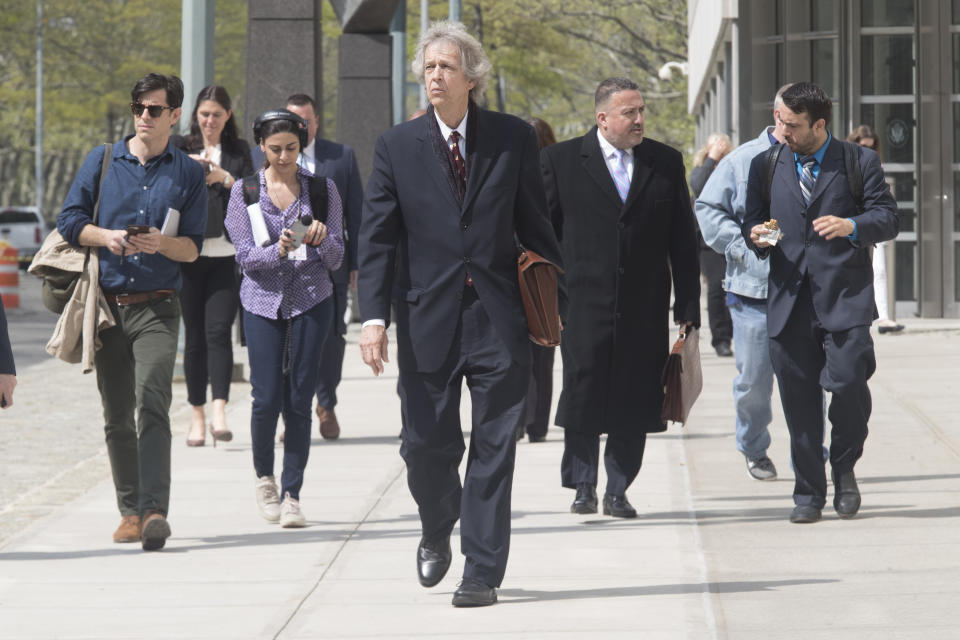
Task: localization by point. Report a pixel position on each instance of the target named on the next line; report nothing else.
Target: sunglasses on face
(155, 110)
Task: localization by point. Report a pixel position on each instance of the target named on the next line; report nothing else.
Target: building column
(284, 55)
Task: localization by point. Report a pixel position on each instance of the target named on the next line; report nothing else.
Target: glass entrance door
(888, 102)
(939, 99)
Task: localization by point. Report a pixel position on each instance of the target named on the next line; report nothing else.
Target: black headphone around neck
(280, 114)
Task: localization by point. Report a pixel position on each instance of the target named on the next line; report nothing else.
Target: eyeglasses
(155, 110)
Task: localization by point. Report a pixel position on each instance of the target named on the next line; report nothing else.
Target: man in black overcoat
(448, 193)
(621, 210)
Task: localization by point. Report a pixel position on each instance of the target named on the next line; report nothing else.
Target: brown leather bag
(682, 376)
(538, 290)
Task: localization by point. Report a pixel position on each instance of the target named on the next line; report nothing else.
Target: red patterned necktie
(458, 162)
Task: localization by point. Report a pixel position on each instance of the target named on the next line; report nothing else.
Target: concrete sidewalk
(711, 554)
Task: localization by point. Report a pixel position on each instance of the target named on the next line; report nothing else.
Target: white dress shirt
(445, 131)
(308, 157)
(461, 128)
(610, 156)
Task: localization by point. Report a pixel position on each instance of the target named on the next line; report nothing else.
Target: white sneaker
(268, 500)
(290, 515)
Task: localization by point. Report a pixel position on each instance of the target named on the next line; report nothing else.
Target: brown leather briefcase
(538, 289)
(682, 376)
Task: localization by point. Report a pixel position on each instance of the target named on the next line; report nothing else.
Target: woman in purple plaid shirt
(287, 306)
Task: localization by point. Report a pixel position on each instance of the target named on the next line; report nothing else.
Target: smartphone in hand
(137, 229)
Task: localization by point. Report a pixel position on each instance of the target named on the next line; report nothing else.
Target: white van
(23, 229)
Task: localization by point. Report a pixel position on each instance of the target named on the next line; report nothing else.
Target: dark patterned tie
(807, 179)
(458, 164)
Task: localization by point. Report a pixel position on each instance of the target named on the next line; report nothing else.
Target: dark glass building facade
(892, 64)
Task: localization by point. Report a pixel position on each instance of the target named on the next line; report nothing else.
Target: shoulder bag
(59, 263)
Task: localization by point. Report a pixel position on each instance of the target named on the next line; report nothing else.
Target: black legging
(209, 300)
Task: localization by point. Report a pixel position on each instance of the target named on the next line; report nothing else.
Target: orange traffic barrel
(9, 276)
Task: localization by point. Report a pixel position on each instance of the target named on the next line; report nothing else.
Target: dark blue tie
(807, 179)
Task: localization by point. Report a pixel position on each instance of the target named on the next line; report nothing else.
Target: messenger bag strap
(107, 155)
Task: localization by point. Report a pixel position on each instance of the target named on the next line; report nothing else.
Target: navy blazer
(417, 242)
(339, 163)
(840, 271)
(6, 351)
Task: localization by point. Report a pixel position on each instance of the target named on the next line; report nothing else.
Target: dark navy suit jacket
(840, 271)
(6, 351)
(418, 242)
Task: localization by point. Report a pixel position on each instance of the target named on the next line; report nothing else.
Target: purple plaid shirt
(275, 287)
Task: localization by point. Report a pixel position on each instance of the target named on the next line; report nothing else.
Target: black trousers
(209, 299)
(714, 267)
(540, 391)
(808, 360)
(331, 362)
(432, 442)
(622, 458)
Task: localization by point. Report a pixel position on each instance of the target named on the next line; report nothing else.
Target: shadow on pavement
(524, 595)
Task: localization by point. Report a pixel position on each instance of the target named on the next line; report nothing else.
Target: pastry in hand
(774, 234)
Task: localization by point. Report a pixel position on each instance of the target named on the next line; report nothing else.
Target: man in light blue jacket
(720, 210)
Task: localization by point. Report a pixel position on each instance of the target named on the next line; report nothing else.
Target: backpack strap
(851, 163)
(770, 165)
(318, 197)
(251, 189)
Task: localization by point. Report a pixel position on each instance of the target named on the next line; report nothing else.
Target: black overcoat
(618, 258)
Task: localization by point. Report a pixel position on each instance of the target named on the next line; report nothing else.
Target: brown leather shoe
(129, 530)
(329, 427)
(155, 531)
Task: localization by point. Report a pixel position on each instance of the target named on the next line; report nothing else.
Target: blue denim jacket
(720, 210)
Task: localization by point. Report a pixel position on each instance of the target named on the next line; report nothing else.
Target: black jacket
(619, 259)
(235, 158)
(418, 242)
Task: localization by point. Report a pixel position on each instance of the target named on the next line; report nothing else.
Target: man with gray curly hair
(449, 192)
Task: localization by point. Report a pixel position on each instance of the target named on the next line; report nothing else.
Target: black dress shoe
(888, 328)
(804, 514)
(723, 350)
(846, 495)
(586, 500)
(433, 560)
(618, 507)
(536, 438)
(472, 592)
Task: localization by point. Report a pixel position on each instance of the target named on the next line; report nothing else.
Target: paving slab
(711, 554)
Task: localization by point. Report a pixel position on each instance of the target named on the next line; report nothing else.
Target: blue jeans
(290, 395)
(753, 386)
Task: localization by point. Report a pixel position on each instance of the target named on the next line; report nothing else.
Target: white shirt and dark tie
(461, 142)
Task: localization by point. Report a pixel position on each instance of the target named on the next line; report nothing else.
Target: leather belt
(127, 299)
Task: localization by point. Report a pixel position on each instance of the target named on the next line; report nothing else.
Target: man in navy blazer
(447, 194)
(8, 372)
(820, 301)
(336, 161)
